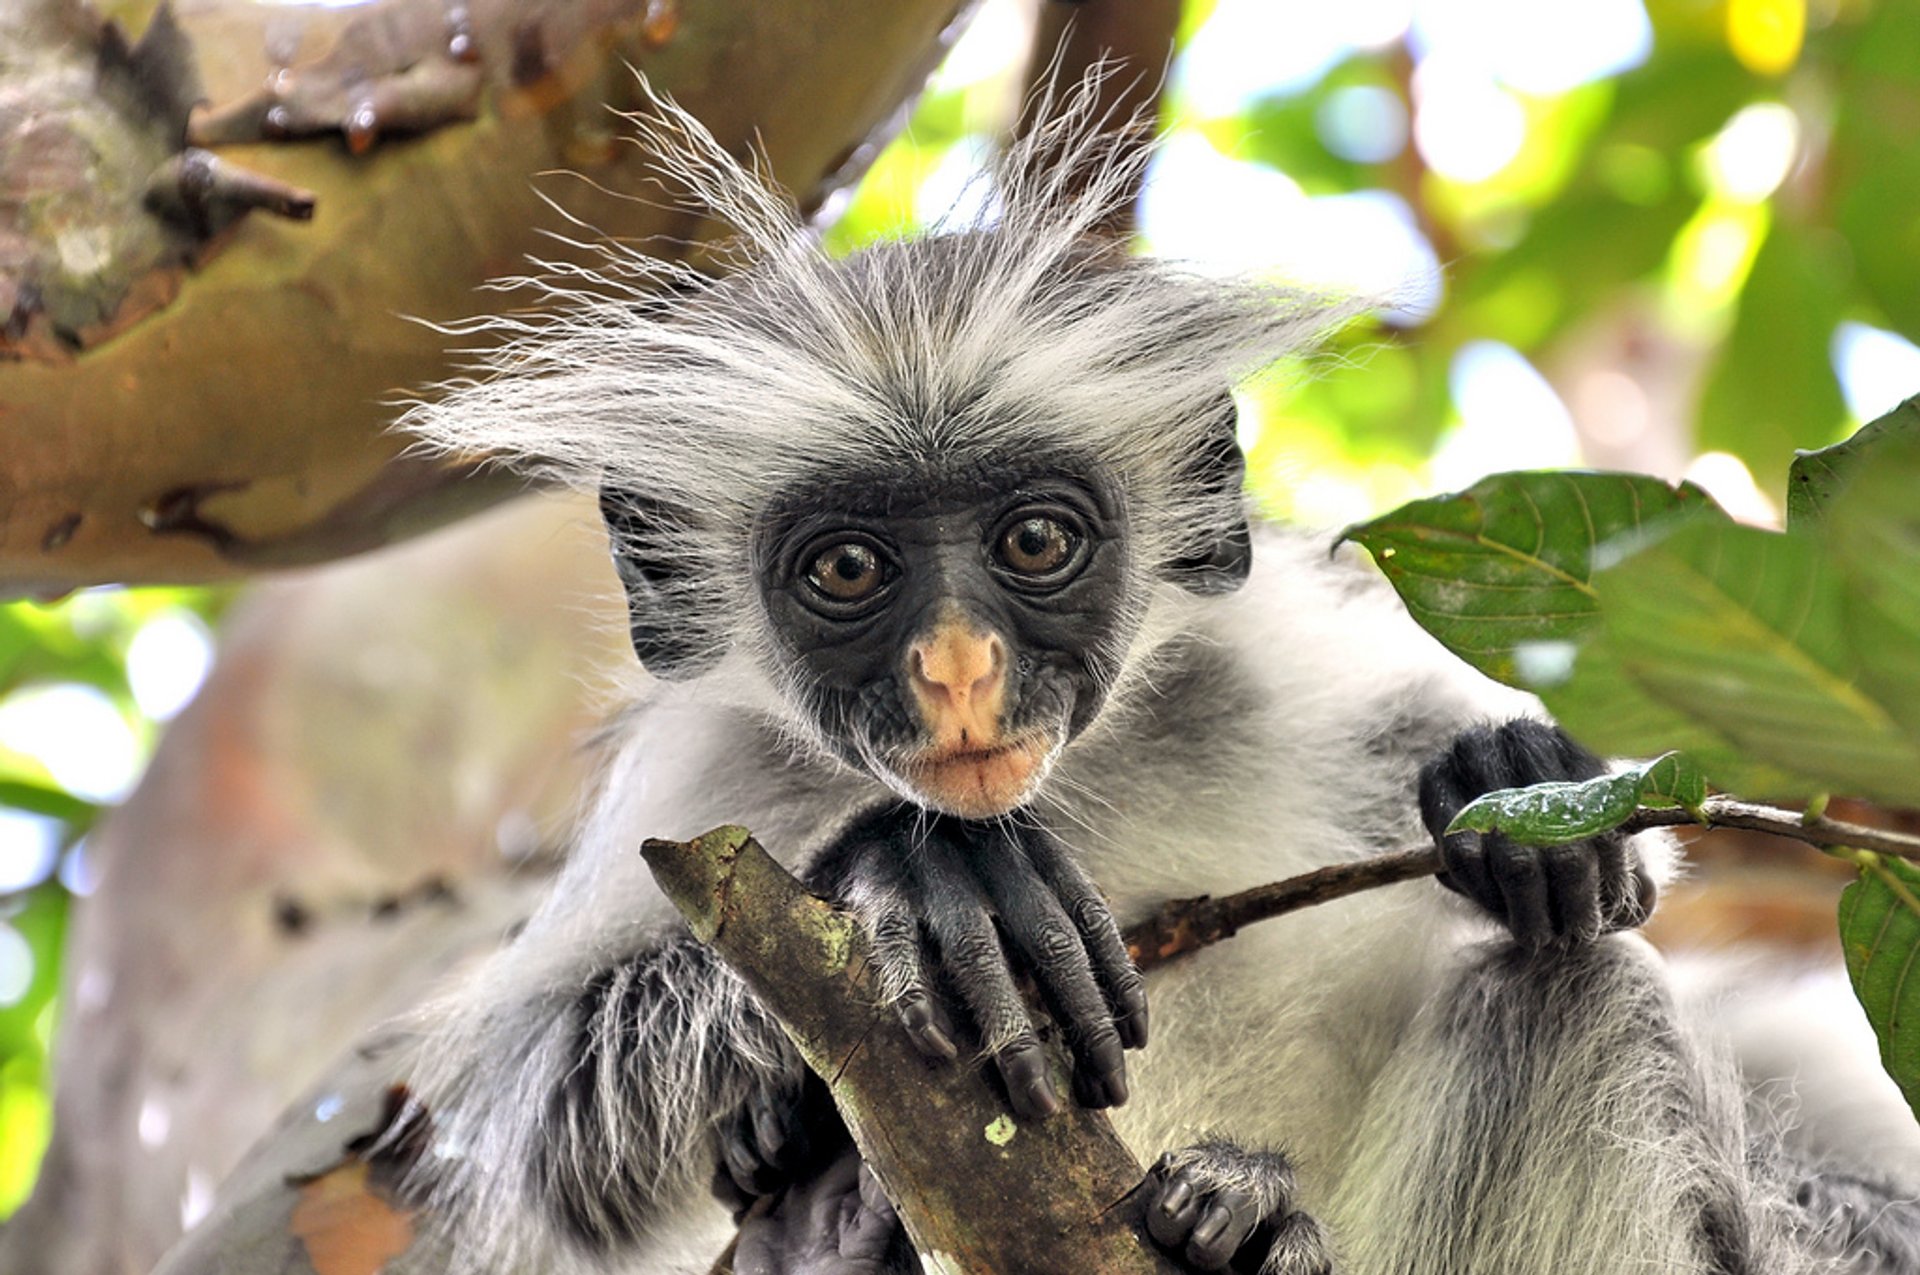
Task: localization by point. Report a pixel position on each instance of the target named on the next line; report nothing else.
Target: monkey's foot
(1218, 1207)
(838, 1223)
(782, 1134)
(1553, 894)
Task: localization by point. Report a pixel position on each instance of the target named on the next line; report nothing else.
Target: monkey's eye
(1036, 546)
(847, 572)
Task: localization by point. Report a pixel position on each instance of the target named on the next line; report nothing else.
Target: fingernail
(1176, 1198)
(1040, 1097)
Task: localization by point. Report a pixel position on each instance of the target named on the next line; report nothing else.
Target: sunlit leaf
(1817, 476)
(1553, 814)
(1880, 933)
(1746, 631)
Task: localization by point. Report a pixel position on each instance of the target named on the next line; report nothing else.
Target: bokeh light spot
(1878, 370)
(166, 662)
(1766, 34)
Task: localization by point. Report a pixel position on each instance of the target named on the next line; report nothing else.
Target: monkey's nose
(956, 665)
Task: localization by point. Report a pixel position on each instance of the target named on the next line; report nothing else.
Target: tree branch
(977, 1191)
(1186, 925)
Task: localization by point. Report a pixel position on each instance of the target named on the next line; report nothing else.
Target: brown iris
(846, 572)
(1036, 546)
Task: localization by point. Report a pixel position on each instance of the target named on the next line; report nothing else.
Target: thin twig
(1185, 925)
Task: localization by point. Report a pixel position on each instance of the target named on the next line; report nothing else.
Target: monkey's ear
(1224, 556)
(642, 530)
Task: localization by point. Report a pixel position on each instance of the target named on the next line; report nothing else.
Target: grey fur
(1448, 1107)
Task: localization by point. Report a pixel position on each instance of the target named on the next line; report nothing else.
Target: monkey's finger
(870, 1228)
(973, 961)
(1466, 870)
(1522, 881)
(1125, 989)
(893, 934)
(1040, 930)
(1618, 889)
(779, 1136)
(1223, 1227)
(1573, 891)
(1174, 1208)
(743, 1164)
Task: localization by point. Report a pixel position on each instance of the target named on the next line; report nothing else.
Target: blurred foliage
(80, 642)
(1640, 190)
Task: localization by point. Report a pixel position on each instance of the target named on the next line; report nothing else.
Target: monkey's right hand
(937, 895)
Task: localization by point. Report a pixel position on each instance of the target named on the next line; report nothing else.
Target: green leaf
(1817, 476)
(1553, 814)
(1598, 701)
(1873, 534)
(1880, 932)
(43, 799)
(1746, 631)
(1510, 561)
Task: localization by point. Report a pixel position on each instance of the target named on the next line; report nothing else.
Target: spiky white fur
(1258, 735)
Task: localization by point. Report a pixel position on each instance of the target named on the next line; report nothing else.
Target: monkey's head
(936, 496)
(949, 623)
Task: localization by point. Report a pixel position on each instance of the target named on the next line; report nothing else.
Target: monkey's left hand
(1571, 893)
(940, 890)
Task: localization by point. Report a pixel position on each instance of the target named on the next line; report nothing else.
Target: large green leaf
(1746, 631)
(1554, 814)
(1605, 708)
(1880, 932)
(1873, 532)
(1510, 561)
(1817, 476)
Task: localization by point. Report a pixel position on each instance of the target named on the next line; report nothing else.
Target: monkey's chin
(979, 783)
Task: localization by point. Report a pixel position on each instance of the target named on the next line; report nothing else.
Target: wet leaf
(1554, 814)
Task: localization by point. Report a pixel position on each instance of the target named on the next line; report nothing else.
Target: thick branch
(977, 1190)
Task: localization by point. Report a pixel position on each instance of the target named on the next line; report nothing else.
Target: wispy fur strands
(1020, 330)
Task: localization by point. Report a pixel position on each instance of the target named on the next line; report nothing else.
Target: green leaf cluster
(1780, 662)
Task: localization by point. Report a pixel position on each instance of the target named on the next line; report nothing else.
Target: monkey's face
(950, 635)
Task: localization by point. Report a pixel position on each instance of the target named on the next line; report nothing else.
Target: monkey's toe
(1216, 1206)
(776, 1137)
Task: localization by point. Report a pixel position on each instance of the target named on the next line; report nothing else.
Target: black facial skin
(939, 543)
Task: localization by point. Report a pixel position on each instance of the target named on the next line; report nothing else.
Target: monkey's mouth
(978, 783)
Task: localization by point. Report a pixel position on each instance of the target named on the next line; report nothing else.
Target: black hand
(1058, 922)
(1570, 893)
(936, 895)
(776, 1137)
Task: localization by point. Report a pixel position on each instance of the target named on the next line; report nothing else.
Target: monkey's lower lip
(978, 782)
